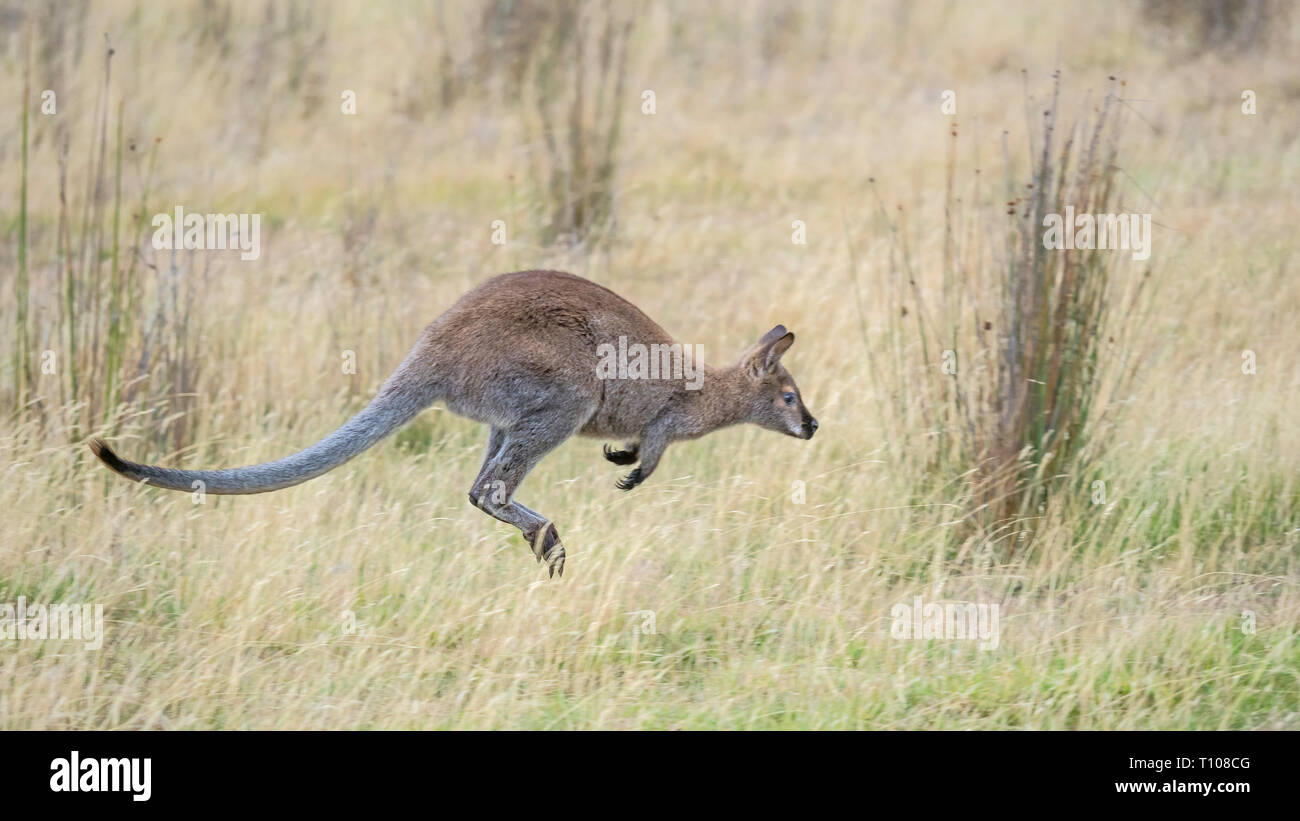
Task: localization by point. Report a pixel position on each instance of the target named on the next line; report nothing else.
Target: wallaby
(520, 354)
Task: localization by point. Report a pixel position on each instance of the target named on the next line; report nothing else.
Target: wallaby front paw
(620, 457)
(629, 481)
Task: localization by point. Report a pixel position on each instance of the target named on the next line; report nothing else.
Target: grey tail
(397, 403)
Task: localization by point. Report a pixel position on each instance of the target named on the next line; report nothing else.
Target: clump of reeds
(578, 69)
(1019, 354)
(91, 333)
(561, 65)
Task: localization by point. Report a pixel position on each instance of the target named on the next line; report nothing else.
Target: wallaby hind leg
(502, 473)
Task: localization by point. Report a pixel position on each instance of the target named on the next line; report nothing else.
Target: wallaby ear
(772, 336)
(770, 349)
(778, 349)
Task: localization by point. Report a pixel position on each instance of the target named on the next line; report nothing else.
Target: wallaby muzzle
(809, 426)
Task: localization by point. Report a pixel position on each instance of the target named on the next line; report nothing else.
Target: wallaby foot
(542, 537)
(622, 457)
(509, 457)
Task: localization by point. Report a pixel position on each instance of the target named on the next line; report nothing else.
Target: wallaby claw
(620, 457)
(546, 545)
(629, 481)
(555, 561)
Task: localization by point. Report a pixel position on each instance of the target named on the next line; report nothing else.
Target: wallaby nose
(810, 426)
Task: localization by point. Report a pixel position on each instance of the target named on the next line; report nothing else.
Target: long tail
(395, 405)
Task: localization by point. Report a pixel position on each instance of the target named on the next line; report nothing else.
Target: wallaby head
(775, 402)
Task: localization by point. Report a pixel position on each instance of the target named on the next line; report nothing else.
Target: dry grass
(768, 613)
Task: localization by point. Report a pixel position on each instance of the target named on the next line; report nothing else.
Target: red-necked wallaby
(521, 353)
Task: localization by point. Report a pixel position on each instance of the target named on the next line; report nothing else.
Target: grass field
(750, 583)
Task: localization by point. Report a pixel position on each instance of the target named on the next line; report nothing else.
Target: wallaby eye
(789, 398)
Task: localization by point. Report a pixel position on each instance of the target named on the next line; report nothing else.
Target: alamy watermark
(1101, 232)
(655, 361)
(644, 624)
(209, 232)
(77, 774)
(55, 622)
(946, 620)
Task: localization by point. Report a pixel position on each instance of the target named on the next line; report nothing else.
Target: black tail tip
(106, 455)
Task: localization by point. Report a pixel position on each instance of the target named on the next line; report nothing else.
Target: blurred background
(1104, 447)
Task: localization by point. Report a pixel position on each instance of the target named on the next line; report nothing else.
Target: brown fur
(520, 353)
